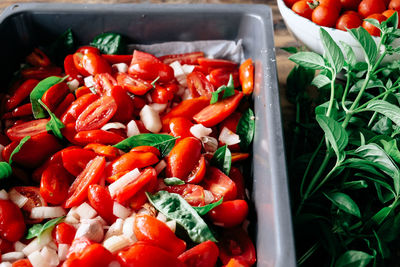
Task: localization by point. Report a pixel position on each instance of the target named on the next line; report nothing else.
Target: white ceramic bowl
(307, 32)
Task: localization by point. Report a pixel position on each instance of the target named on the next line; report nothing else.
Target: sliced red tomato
(6, 246)
(219, 184)
(143, 56)
(193, 194)
(186, 58)
(104, 82)
(219, 77)
(77, 107)
(125, 104)
(100, 199)
(83, 90)
(134, 85)
(216, 63)
(92, 255)
(246, 75)
(198, 172)
(64, 233)
(230, 213)
(237, 177)
(151, 149)
(130, 161)
(235, 243)
(55, 95)
(161, 95)
(17, 132)
(95, 64)
(75, 160)
(199, 85)
(115, 59)
(54, 184)
(22, 111)
(71, 70)
(180, 127)
(96, 114)
(21, 93)
(34, 200)
(62, 107)
(149, 71)
(203, 255)
(88, 49)
(97, 136)
(22, 263)
(78, 191)
(109, 152)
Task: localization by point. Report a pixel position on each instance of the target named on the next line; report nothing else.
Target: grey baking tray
(25, 26)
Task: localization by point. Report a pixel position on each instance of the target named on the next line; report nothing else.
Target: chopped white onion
(50, 256)
(132, 129)
(18, 246)
(160, 166)
(228, 137)
(121, 67)
(12, 256)
(18, 199)
(3, 194)
(210, 144)
(101, 220)
(186, 95)
(199, 131)
(158, 107)
(89, 82)
(73, 85)
(128, 229)
(208, 197)
(123, 181)
(120, 211)
(115, 228)
(85, 211)
(52, 245)
(37, 260)
(91, 229)
(63, 250)
(188, 68)
(161, 217)
(113, 125)
(150, 119)
(116, 243)
(179, 73)
(71, 220)
(172, 225)
(47, 212)
(5, 264)
(38, 243)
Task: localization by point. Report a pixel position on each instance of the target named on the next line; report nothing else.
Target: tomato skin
(130, 161)
(22, 111)
(193, 194)
(235, 243)
(199, 85)
(350, 4)
(88, 49)
(22, 263)
(183, 158)
(151, 149)
(75, 160)
(145, 254)
(219, 184)
(62, 107)
(34, 127)
(77, 107)
(325, 16)
(21, 93)
(109, 152)
(95, 64)
(38, 58)
(213, 114)
(77, 193)
(96, 114)
(161, 95)
(143, 56)
(12, 226)
(63, 233)
(54, 184)
(303, 9)
(246, 76)
(115, 59)
(180, 127)
(40, 73)
(395, 5)
(97, 136)
(374, 31)
(71, 70)
(149, 71)
(100, 199)
(369, 7)
(186, 58)
(125, 104)
(230, 213)
(203, 255)
(348, 20)
(133, 84)
(148, 228)
(216, 63)
(55, 95)
(290, 3)
(34, 200)
(92, 255)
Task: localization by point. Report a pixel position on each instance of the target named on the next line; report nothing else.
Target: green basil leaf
(229, 90)
(385, 108)
(391, 149)
(64, 45)
(222, 159)
(335, 133)
(368, 44)
(18, 148)
(173, 181)
(355, 185)
(381, 215)
(332, 51)
(38, 92)
(374, 22)
(205, 209)
(392, 21)
(353, 258)
(5, 170)
(174, 207)
(344, 203)
(321, 81)
(109, 43)
(37, 229)
(54, 124)
(350, 55)
(290, 49)
(297, 82)
(246, 128)
(162, 142)
(309, 60)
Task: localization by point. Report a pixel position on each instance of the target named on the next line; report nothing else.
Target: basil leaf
(297, 81)
(368, 44)
(229, 90)
(18, 148)
(309, 60)
(335, 134)
(173, 181)
(109, 43)
(174, 207)
(54, 125)
(5, 170)
(38, 92)
(205, 209)
(391, 149)
(321, 81)
(385, 108)
(290, 49)
(345, 203)
(350, 55)
(353, 258)
(162, 142)
(61, 47)
(246, 128)
(37, 229)
(222, 159)
(332, 51)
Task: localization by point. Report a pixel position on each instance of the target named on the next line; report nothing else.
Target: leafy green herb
(205, 209)
(162, 142)
(332, 51)
(54, 125)
(18, 148)
(173, 181)
(153, 83)
(5, 170)
(109, 43)
(309, 60)
(246, 128)
(37, 230)
(353, 258)
(345, 203)
(174, 207)
(290, 49)
(61, 47)
(222, 159)
(39, 91)
(229, 90)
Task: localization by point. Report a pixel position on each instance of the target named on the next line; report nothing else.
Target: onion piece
(188, 68)
(228, 137)
(5, 264)
(38, 243)
(3, 194)
(37, 260)
(47, 212)
(123, 181)
(210, 144)
(132, 129)
(18, 199)
(92, 230)
(160, 166)
(73, 85)
(172, 225)
(127, 229)
(121, 67)
(116, 243)
(120, 211)
(18, 246)
(85, 211)
(50, 256)
(115, 228)
(158, 107)
(150, 119)
(89, 82)
(63, 250)
(12, 256)
(113, 125)
(199, 131)
(208, 197)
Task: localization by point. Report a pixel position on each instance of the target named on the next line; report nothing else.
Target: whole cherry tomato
(34, 127)
(54, 184)
(369, 7)
(290, 3)
(64, 233)
(199, 85)
(246, 76)
(230, 213)
(325, 16)
(92, 255)
(100, 199)
(219, 184)
(193, 194)
(12, 226)
(303, 9)
(235, 243)
(350, 4)
(203, 255)
(348, 20)
(371, 28)
(395, 5)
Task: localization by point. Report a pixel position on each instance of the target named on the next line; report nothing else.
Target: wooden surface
(282, 36)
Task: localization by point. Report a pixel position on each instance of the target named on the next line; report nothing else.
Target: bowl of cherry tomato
(305, 17)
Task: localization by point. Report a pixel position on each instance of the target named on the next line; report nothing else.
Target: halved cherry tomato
(369, 7)
(104, 82)
(213, 114)
(109, 152)
(145, 254)
(96, 114)
(115, 59)
(130, 161)
(148, 228)
(230, 213)
(94, 64)
(203, 255)
(235, 243)
(134, 85)
(92, 255)
(77, 107)
(125, 104)
(17, 132)
(21, 93)
(149, 71)
(219, 184)
(75, 160)
(100, 199)
(98, 136)
(22, 263)
(62, 107)
(78, 191)
(34, 200)
(140, 198)
(54, 184)
(216, 63)
(40, 73)
(55, 95)
(193, 194)
(180, 127)
(151, 149)
(246, 76)
(219, 77)
(38, 58)
(198, 172)
(71, 70)
(12, 226)
(64, 233)
(186, 58)
(199, 85)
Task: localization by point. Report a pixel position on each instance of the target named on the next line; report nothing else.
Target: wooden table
(282, 36)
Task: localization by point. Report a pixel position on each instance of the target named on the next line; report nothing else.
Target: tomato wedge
(35, 199)
(134, 85)
(219, 184)
(193, 194)
(19, 131)
(230, 213)
(199, 85)
(203, 255)
(130, 161)
(97, 136)
(77, 107)
(100, 199)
